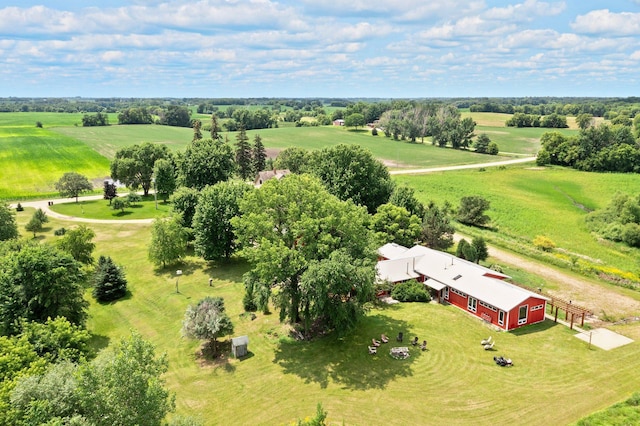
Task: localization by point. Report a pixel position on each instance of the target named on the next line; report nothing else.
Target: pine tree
(197, 132)
(109, 281)
(215, 128)
(243, 155)
(259, 155)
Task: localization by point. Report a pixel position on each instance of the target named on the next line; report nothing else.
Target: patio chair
(486, 341)
(375, 342)
(414, 342)
(399, 338)
(423, 346)
(489, 346)
(373, 350)
(384, 338)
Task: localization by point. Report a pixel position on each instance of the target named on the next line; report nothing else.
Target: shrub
(374, 132)
(410, 291)
(631, 234)
(59, 232)
(544, 243)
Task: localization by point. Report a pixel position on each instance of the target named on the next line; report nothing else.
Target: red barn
(469, 286)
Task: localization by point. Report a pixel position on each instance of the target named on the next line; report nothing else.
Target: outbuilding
(478, 290)
(240, 346)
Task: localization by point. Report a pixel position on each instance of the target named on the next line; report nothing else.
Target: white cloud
(603, 21)
(524, 11)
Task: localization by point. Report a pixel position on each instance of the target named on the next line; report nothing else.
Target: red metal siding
(532, 316)
(457, 300)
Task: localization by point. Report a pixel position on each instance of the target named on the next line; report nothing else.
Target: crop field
(34, 159)
(556, 378)
(531, 201)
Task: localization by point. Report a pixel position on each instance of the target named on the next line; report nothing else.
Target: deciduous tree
(352, 172)
(40, 282)
(288, 223)
(78, 243)
(73, 184)
(165, 175)
(206, 162)
(8, 225)
(133, 165)
(168, 241)
(184, 202)
(393, 224)
(437, 231)
(208, 320)
(217, 205)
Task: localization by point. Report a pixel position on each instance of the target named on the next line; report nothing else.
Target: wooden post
(555, 319)
(582, 322)
(571, 325)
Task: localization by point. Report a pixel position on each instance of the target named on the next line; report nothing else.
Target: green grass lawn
(530, 201)
(556, 379)
(34, 159)
(48, 119)
(100, 209)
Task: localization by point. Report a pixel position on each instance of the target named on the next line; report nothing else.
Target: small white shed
(239, 346)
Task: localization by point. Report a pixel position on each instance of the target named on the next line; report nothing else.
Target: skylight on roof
(457, 277)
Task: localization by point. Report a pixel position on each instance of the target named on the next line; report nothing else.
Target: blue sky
(312, 48)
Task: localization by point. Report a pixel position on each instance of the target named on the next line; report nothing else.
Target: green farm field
(556, 378)
(531, 201)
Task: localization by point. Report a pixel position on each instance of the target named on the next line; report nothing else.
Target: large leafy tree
(78, 243)
(8, 225)
(287, 224)
(168, 241)
(165, 175)
(184, 202)
(294, 158)
(110, 190)
(208, 320)
(352, 172)
(243, 155)
(472, 210)
(123, 386)
(393, 224)
(108, 280)
(437, 231)
(335, 290)
(72, 184)
(40, 282)
(133, 165)
(206, 162)
(217, 205)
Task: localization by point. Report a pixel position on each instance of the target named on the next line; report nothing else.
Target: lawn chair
(486, 341)
(375, 342)
(373, 350)
(384, 338)
(489, 346)
(423, 346)
(399, 338)
(414, 342)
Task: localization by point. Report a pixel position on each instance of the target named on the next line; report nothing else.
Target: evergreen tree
(8, 225)
(197, 130)
(482, 252)
(259, 155)
(108, 280)
(215, 128)
(243, 155)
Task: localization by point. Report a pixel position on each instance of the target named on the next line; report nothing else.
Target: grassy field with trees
(454, 382)
(283, 379)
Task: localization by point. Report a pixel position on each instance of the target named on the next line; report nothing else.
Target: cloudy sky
(315, 48)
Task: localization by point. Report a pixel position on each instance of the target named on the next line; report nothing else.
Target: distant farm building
(338, 122)
(469, 286)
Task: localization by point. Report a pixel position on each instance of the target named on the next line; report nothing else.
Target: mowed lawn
(531, 201)
(34, 159)
(556, 378)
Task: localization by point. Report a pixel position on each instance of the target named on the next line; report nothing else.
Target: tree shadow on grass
(534, 328)
(122, 213)
(207, 357)
(345, 360)
(97, 342)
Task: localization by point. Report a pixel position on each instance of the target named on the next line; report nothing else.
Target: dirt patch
(273, 152)
(391, 163)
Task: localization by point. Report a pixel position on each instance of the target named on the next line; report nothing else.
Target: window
(446, 293)
(522, 314)
(501, 317)
(457, 277)
(488, 306)
(536, 308)
(472, 304)
(459, 293)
